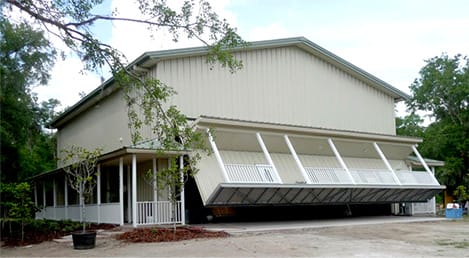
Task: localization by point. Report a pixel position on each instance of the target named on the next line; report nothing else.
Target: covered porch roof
(146, 150)
(276, 164)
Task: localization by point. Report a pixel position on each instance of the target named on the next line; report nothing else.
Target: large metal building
(297, 126)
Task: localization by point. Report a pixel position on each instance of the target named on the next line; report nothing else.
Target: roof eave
(204, 122)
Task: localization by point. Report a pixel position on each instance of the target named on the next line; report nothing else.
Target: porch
(258, 164)
(123, 193)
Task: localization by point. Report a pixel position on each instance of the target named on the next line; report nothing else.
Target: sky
(388, 38)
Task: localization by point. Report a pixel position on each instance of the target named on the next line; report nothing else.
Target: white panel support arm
(340, 160)
(267, 156)
(424, 164)
(217, 156)
(386, 162)
(297, 159)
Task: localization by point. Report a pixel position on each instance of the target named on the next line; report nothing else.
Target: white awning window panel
(327, 175)
(415, 178)
(373, 176)
(245, 173)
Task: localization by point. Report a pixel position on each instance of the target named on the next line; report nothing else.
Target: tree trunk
(83, 213)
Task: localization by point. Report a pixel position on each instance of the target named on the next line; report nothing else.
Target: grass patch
(448, 242)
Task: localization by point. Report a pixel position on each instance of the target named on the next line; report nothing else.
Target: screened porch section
(126, 192)
(269, 168)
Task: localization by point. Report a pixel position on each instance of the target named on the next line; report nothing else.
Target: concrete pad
(244, 227)
(100, 233)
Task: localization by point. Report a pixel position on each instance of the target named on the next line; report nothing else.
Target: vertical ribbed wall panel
(243, 157)
(287, 168)
(280, 85)
(362, 163)
(317, 161)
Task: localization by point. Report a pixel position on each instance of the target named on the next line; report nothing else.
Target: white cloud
(271, 31)
(67, 82)
(134, 39)
(131, 39)
(392, 50)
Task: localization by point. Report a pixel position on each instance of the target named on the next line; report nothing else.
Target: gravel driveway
(418, 239)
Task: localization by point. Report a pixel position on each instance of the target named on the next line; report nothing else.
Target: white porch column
(433, 200)
(155, 191)
(424, 164)
(44, 194)
(340, 160)
(134, 190)
(66, 198)
(267, 156)
(297, 159)
(386, 162)
(54, 197)
(129, 194)
(35, 194)
(98, 193)
(183, 198)
(121, 190)
(217, 156)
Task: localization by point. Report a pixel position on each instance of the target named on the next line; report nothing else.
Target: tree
(26, 58)
(146, 97)
(81, 173)
(443, 91)
(410, 125)
(17, 204)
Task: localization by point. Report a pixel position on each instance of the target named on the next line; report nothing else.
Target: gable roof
(149, 59)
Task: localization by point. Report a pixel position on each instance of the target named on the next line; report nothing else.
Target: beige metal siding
(398, 165)
(100, 126)
(317, 161)
(287, 168)
(208, 176)
(280, 85)
(362, 163)
(144, 186)
(243, 157)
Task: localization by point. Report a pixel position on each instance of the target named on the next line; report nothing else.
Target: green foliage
(80, 168)
(461, 193)
(146, 98)
(35, 230)
(443, 91)
(25, 61)
(74, 20)
(410, 125)
(17, 203)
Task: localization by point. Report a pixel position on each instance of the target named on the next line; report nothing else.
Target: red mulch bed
(157, 234)
(36, 237)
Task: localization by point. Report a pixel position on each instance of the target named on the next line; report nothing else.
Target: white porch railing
(245, 173)
(373, 177)
(367, 176)
(160, 212)
(415, 178)
(108, 213)
(328, 175)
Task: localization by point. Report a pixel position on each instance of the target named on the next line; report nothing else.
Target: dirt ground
(424, 239)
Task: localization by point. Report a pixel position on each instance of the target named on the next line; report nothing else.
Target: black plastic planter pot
(84, 240)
